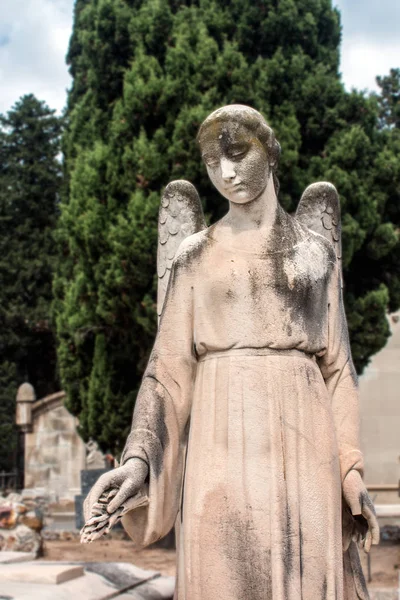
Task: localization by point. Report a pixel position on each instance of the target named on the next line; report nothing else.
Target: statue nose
(227, 170)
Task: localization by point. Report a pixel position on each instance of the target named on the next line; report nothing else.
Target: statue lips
(235, 187)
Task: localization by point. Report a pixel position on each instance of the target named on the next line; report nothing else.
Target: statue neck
(257, 215)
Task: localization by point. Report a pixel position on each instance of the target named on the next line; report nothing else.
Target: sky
(34, 37)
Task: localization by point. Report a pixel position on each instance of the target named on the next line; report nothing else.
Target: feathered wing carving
(319, 210)
(181, 215)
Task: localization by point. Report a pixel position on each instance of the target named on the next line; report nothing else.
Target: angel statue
(245, 433)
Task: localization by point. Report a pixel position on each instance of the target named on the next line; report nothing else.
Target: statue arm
(160, 420)
(341, 380)
(166, 389)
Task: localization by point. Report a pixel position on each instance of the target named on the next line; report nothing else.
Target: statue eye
(211, 163)
(237, 153)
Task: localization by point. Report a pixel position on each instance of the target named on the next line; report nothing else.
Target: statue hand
(128, 479)
(366, 528)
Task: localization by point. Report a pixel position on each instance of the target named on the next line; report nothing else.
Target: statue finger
(373, 526)
(102, 485)
(114, 518)
(95, 520)
(95, 535)
(368, 542)
(126, 490)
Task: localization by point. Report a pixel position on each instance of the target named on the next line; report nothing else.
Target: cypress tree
(389, 99)
(145, 75)
(29, 183)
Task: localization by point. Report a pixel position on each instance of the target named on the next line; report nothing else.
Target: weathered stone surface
(252, 355)
(119, 574)
(12, 498)
(95, 458)
(15, 557)
(88, 587)
(54, 452)
(88, 479)
(20, 539)
(40, 573)
(99, 580)
(19, 526)
(161, 588)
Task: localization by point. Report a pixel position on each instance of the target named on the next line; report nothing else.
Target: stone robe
(248, 419)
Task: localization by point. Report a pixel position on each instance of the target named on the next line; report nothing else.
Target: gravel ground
(385, 559)
(113, 551)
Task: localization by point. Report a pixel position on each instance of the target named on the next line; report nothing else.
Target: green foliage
(29, 183)
(389, 99)
(145, 75)
(368, 323)
(8, 434)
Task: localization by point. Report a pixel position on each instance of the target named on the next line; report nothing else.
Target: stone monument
(54, 452)
(245, 433)
(58, 466)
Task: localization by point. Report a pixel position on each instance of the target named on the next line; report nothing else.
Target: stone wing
(181, 215)
(319, 210)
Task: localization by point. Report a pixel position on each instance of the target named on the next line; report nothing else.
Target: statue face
(236, 161)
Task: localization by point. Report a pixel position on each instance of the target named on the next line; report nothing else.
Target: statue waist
(231, 352)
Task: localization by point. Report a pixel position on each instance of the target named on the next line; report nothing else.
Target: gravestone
(54, 457)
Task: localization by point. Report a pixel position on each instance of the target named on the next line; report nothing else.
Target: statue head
(240, 151)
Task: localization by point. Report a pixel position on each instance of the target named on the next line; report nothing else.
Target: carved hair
(255, 123)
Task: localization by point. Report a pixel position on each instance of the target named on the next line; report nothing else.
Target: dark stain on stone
(354, 564)
(190, 257)
(324, 591)
(227, 138)
(305, 298)
(158, 417)
(361, 525)
(251, 568)
(150, 414)
(230, 295)
(255, 281)
(301, 552)
(365, 500)
(288, 556)
(308, 375)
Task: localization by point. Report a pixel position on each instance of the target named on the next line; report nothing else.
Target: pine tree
(29, 183)
(145, 75)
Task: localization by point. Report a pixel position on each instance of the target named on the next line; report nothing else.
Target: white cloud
(362, 60)
(35, 36)
(370, 41)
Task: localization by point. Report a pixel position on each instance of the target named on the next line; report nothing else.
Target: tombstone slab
(99, 580)
(15, 557)
(40, 573)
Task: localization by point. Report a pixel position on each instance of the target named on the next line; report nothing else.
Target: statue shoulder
(192, 249)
